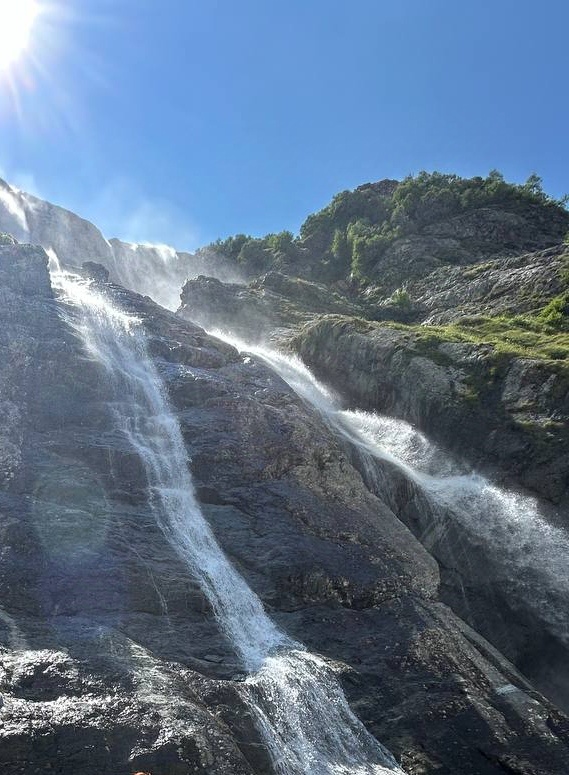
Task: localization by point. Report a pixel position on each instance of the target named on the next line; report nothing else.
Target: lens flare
(17, 19)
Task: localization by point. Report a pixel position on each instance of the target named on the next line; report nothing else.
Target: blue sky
(180, 121)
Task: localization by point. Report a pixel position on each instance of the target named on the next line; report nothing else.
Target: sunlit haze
(17, 18)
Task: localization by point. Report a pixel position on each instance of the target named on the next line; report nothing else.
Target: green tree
(254, 256)
(534, 185)
(340, 248)
(281, 242)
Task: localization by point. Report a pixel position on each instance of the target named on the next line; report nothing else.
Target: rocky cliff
(263, 308)
(111, 658)
(489, 406)
(473, 346)
(156, 270)
(419, 582)
(460, 328)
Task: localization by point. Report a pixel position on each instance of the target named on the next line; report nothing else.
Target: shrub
(401, 298)
(556, 314)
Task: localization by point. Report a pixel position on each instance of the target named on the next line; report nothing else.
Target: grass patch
(544, 336)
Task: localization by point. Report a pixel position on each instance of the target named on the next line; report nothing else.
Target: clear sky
(180, 121)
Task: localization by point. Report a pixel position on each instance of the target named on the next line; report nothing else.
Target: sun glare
(16, 21)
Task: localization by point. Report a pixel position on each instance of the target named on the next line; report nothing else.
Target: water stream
(529, 556)
(294, 696)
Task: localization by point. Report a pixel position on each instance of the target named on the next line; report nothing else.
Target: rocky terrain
(263, 308)
(473, 342)
(111, 659)
(507, 286)
(506, 411)
(157, 270)
(461, 329)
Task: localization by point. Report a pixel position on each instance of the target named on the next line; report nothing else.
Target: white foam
(295, 698)
(531, 556)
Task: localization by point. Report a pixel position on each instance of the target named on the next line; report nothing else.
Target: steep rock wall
(112, 661)
(510, 412)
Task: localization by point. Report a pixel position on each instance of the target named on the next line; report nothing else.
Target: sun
(17, 19)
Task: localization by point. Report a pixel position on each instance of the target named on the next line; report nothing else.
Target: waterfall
(530, 556)
(160, 271)
(156, 270)
(297, 702)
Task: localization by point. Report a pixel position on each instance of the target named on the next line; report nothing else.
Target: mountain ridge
(348, 548)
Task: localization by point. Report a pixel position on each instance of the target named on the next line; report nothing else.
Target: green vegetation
(257, 255)
(348, 238)
(556, 314)
(543, 336)
(401, 298)
(358, 226)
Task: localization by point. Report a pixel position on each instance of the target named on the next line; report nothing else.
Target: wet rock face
(260, 309)
(502, 414)
(512, 413)
(95, 271)
(33, 220)
(160, 271)
(157, 270)
(110, 658)
(505, 286)
(80, 554)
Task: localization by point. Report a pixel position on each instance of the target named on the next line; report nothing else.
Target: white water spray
(531, 556)
(294, 696)
(160, 271)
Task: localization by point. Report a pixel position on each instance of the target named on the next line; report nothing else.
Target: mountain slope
(111, 657)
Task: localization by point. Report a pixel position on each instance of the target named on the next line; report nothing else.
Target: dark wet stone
(111, 659)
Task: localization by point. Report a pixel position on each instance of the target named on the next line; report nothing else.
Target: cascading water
(530, 556)
(294, 696)
(160, 271)
(157, 270)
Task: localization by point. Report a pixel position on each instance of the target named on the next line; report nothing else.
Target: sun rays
(38, 88)
(22, 30)
(17, 19)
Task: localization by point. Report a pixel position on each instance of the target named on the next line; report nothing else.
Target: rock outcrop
(488, 407)
(508, 416)
(156, 270)
(483, 234)
(257, 311)
(110, 657)
(506, 286)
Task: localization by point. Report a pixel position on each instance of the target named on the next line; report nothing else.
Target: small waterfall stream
(530, 556)
(294, 696)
